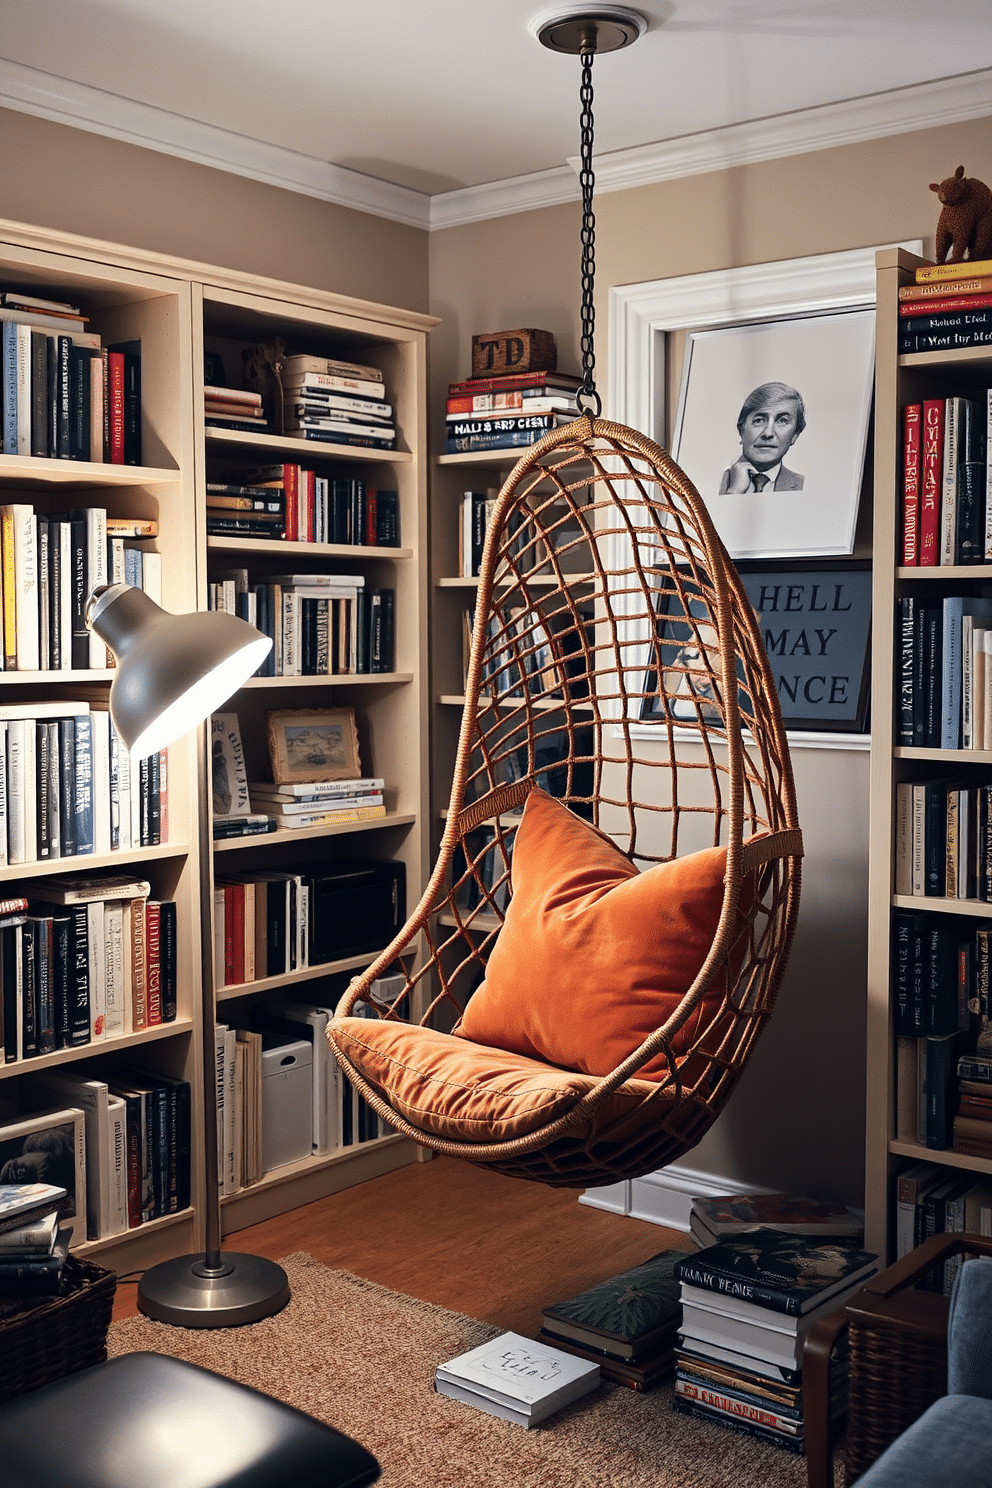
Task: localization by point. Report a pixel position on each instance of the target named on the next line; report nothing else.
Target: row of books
(940, 974)
(543, 652)
(484, 413)
(50, 566)
(748, 1303)
(949, 311)
(64, 395)
(117, 1140)
(271, 923)
(297, 504)
(79, 971)
(947, 486)
(932, 1201)
(339, 1118)
(320, 624)
(69, 788)
(943, 839)
(336, 402)
(944, 673)
(943, 1098)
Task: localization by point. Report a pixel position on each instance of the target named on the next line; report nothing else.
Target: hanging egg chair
(615, 894)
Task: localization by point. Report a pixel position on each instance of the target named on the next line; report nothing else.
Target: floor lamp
(173, 671)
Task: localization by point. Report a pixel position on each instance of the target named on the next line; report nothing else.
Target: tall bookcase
(177, 310)
(902, 380)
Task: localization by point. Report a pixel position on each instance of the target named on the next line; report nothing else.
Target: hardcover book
(513, 1377)
(784, 1273)
(627, 1315)
(791, 1214)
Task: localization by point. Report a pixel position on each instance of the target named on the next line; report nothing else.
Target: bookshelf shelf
(943, 1158)
(104, 1048)
(17, 468)
(340, 679)
(294, 978)
(308, 450)
(304, 550)
(94, 862)
(311, 834)
(482, 458)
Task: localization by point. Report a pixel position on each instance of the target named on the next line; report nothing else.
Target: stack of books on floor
(491, 413)
(748, 1304)
(517, 1379)
(234, 408)
(628, 1324)
(336, 402)
(33, 1244)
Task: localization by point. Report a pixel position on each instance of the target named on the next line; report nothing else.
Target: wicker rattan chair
(616, 663)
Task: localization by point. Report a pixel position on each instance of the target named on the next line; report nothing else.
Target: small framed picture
(313, 744)
(815, 622)
(48, 1147)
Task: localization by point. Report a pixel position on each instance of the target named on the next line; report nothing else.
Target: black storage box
(356, 905)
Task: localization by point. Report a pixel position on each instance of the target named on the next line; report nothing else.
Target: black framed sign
(816, 625)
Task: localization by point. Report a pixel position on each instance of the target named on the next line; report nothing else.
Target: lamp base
(188, 1293)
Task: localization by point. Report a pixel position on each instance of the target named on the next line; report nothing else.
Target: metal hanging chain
(587, 398)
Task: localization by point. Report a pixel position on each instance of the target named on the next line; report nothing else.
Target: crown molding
(548, 188)
(29, 91)
(928, 105)
(898, 111)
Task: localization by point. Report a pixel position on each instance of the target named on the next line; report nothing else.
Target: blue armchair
(949, 1446)
(920, 1376)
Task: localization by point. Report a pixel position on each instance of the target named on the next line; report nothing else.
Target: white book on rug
(526, 1378)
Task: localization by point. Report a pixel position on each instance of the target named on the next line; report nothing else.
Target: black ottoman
(148, 1421)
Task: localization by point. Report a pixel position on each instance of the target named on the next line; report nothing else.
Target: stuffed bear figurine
(965, 224)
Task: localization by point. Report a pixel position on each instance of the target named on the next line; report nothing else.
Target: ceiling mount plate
(578, 29)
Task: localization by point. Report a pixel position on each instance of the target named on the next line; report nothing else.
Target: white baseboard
(615, 1197)
(665, 1198)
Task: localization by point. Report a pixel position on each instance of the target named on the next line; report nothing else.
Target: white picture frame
(784, 404)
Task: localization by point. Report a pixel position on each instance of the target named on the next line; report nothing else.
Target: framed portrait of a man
(772, 428)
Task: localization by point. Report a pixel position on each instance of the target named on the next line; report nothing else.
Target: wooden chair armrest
(821, 1341)
(918, 1262)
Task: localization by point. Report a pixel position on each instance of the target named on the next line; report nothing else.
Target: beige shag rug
(362, 1358)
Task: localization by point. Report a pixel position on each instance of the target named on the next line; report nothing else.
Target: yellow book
(330, 818)
(968, 270)
(9, 618)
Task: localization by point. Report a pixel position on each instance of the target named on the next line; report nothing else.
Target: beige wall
(54, 176)
(797, 1118)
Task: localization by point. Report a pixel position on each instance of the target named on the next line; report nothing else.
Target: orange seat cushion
(457, 1090)
(593, 956)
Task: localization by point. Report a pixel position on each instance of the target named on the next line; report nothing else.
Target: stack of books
(748, 1304)
(337, 402)
(490, 413)
(233, 408)
(33, 1245)
(319, 803)
(712, 1220)
(516, 1379)
(948, 307)
(628, 1325)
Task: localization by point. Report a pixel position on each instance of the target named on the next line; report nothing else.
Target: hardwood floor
(476, 1242)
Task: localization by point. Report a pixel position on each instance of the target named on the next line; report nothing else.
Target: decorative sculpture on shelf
(965, 222)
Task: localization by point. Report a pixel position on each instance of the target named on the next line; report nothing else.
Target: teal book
(628, 1316)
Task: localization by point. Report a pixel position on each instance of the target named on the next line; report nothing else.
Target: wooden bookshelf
(901, 380)
(178, 311)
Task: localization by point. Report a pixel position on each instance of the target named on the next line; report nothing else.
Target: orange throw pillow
(593, 956)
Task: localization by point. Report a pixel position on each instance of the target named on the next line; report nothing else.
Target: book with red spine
(931, 480)
(512, 381)
(911, 484)
(153, 961)
(948, 303)
(115, 401)
(308, 488)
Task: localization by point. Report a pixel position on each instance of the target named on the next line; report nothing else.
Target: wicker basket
(54, 1336)
(897, 1367)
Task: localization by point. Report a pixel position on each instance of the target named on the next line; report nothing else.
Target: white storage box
(287, 1101)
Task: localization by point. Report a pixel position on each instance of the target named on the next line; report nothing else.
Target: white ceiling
(445, 96)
